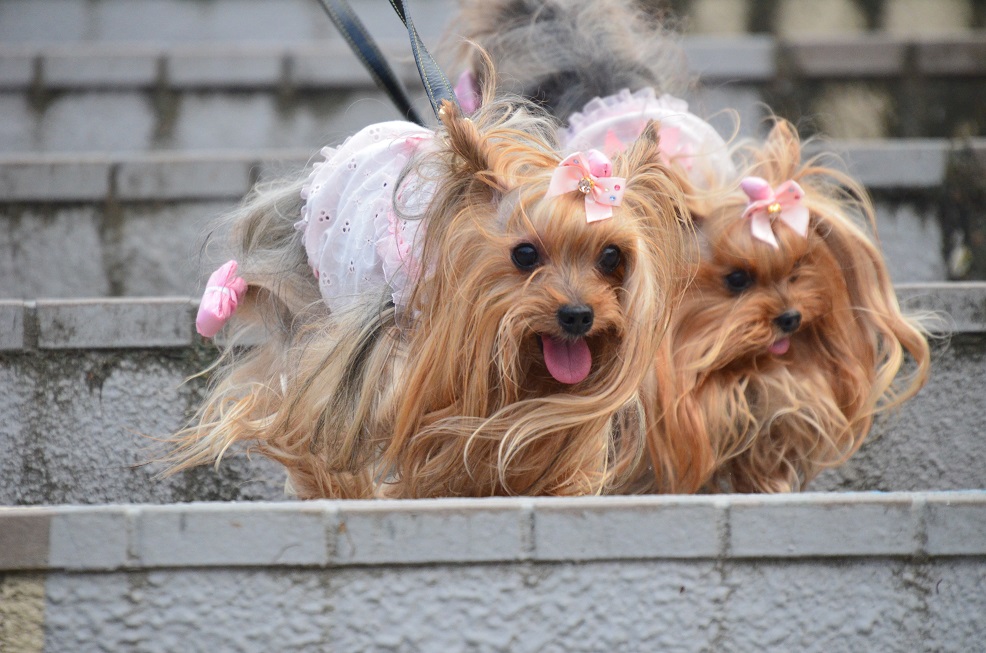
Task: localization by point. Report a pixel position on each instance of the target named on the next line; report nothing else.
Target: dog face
(781, 356)
(752, 305)
(548, 294)
(534, 326)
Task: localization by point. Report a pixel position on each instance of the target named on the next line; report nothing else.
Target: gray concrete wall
(826, 573)
(87, 388)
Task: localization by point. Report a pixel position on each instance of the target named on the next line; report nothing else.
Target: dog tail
(564, 53)
(281, 299)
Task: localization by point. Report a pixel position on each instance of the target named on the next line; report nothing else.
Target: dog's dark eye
(610, 259)
(738, 280)
(525, 256)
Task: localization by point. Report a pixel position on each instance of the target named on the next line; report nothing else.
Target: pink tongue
(568, 361)
(780, 347)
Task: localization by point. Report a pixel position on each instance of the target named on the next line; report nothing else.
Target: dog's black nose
(788, 321)
(575, 319)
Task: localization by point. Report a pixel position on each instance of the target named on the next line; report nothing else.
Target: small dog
(789, 338)
(456, 313)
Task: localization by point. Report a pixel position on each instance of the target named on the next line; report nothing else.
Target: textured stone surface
(178, 21)
(628, 527)
(114, 323)
(290, 595)
(838, 17)
(793, 526)
(11, 325)
(232, 534)
(765, 606)
(920, 16)
(431, 531)
(935, 440)
(823, 607)
(79, 428)
(22, 613)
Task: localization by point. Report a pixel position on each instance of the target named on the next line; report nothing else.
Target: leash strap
(436, 84)
(365, 48)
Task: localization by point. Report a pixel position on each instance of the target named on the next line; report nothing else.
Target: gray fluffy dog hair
(564, 53)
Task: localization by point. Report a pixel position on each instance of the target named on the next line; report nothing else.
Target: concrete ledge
(450, 531)
(114, 323)
(879, 165)
(746, 59)
(149, 323)
(960, 305)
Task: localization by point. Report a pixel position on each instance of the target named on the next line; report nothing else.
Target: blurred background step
(89, 388)
(144, 96)
(895, 573)
(119, 224)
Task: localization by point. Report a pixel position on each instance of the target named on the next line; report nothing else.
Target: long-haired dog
(488, 336)
(789, 339)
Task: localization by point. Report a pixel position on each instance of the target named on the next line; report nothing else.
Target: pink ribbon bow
(785, 203)
(589, 173)
(219, 300)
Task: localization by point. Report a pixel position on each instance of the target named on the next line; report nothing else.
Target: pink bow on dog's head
(785, 203)
(222, 294)
(589, 173)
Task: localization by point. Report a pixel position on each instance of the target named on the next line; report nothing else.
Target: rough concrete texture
(179, 21)
(853, 110)
(830, 607)
(78, 428)
(22, 613)
(716, 17)
(923, 17)
(832, 17)
(935, 440)
(257, 577)
(126, 120)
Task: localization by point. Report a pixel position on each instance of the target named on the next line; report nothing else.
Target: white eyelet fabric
(356, 243)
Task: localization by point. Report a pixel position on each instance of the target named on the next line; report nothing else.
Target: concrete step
(135, 96)
(202, 21)
(900, 572)
(87, 386)
(132, 224)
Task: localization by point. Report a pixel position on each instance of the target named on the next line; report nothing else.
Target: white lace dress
(357, 245)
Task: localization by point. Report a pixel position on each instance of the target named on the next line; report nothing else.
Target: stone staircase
(127, 125)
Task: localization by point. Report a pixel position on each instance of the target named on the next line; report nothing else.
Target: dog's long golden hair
(449, 395)
(725, 412)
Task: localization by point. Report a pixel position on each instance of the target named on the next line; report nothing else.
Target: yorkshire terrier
(788, 341)
(455, 313)
(789, 338)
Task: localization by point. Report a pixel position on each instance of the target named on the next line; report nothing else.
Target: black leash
(436, 84)
(365, 48)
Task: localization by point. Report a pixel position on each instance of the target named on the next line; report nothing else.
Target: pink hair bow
(785, 203)
(219, 300)
(589, 173)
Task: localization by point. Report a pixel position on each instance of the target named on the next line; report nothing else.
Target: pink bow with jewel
(219, 300)
(589, 173)
(785, 203)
